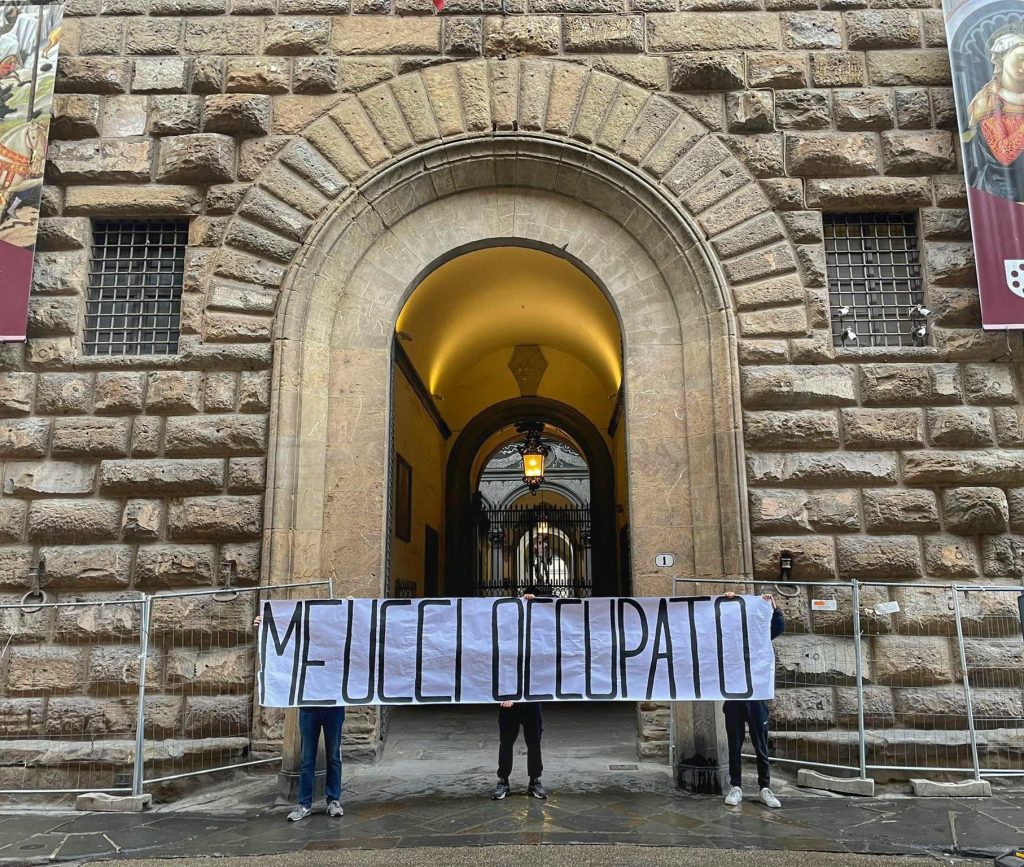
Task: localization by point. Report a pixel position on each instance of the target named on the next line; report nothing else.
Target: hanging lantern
(533, 452)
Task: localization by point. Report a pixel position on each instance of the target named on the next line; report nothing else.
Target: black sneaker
(537, 790)
(502, 790)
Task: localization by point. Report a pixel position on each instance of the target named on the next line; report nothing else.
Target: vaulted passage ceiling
(463, 324)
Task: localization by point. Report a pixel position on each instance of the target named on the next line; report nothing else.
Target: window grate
(135, 280)
(873, 269)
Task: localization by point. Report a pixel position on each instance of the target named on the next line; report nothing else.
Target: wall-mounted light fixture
(533, 451)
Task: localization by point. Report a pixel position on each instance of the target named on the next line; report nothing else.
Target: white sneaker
(735, 797)
(334, 809)
(299, 812)
(767, 797)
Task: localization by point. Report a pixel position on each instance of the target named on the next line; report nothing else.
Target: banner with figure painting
(986, 50)
(29, 39)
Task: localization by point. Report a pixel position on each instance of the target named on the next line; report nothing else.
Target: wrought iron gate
(545, 546)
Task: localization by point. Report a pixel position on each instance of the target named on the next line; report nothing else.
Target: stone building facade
(304, 139)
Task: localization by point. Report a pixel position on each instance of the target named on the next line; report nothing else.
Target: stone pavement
(431, 791)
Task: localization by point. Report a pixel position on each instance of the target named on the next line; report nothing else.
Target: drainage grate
(623, 767)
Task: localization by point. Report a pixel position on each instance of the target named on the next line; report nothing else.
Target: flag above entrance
(431, 651)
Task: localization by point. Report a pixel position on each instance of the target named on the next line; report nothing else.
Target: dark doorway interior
(431, 561)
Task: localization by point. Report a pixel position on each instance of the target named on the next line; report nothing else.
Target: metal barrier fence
(878, 678)
(115, 694)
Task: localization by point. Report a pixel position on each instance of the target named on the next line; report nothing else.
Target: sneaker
(299, 812)
(767, 797)
(537, 790)
(334, 809)
(502, 790)
(735, 797)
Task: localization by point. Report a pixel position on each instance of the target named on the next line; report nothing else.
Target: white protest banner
(424, 651)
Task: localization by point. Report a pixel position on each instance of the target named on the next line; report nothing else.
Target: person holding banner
(328, 719)
(511, 717)
(754, 716)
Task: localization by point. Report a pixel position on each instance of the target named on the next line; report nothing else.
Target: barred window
(874, 279)
(135, 280)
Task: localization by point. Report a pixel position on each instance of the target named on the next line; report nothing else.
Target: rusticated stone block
(247, 475)
(153, 36)
(913, 108)
(93, 75)
(991, 384)
(15, 564)
(134, 201)
(219, 670)
(99, 160)
(883, 28)
(960, 426)
(60, 273)
(159, 566)
(822, 468)
(219, 715)
(16, 390)
(1009, 424)
(20, 717)
(49, 669)
(936, 467)
(929, 66)
(73, 520)
(706, 72)
(917, 660)
(712, 31)
(776, 69)
(316, 75)
(174, 391)
(220, 391)
(24, 437)
(116, 668)
(786, 511)
(12, 519)
(802, 109)
(247, 75)
(216, 434)
(75, 116)
(176, 114)
(603, 34)
(878, 705)
(118, 393)
(750, 111)
(88, 716)
(950, 557)
(142, 519)
(147, 431)
(804, 706)
(1015, 500)
(805, 30)
(159, 476)
(951, 263)
(54, 316)
(849, 193)
(124, 116)
(90, 437)
(899, 511)
(1002, 556)
(290, 36)
(203, 158)
(831, 154)
(975, 510)
(386, 35)
(798, 386)
(998, 661)
(238, 114)
(48, 478)
(868, 108)
(215, 518)
(79, 567)
(206, 617)
(254, 391)
(807, 429)
(817, 659)
(909, 384)
(63, 393)
(882, 558)
(160, 75)
(917, 153)
(63, 233)
(540, 34)
(837, 69)
(813, 557)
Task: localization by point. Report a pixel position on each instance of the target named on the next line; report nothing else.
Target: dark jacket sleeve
(778, 623)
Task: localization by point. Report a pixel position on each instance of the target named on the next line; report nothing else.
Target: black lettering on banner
(270, 631)
(612, 656)
(371, 644)
(719, 602)
(527, 695)
(306, 661)
(458, 650)
(419, 652)
(626, 653)
(559, 604)
(381, 694)
(694, 648)
(662, 632)
(496, 652)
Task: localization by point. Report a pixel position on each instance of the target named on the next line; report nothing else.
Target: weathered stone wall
(251, 117)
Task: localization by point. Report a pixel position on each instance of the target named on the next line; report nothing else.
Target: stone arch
(347, 218)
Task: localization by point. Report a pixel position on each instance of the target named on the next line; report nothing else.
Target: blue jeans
(311, 721)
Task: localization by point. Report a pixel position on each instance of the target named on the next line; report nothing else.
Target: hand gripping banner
(430, 651)
(986, 52)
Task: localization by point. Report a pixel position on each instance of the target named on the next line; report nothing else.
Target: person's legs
(532, 727)
(757, 716)
(333, 720)
(735, 719)
(309, 739)
(508, 733)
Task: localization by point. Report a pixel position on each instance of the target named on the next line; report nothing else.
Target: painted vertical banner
(29, 40)
(986, 51)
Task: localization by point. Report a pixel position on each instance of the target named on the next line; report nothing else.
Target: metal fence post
(967, 684)
(861, 743)
(138, 769)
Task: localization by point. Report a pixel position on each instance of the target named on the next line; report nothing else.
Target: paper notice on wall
(429, 651)
(29, 42)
